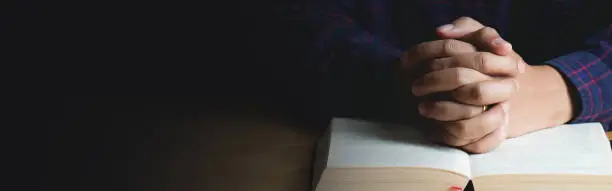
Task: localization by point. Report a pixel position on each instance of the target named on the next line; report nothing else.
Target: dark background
(94, 84)
(154, 46)
(98, 90)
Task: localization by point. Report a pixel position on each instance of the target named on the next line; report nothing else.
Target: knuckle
(435, 64)
(450, 45)
(460, 78)
(453, 47)
(421, 48)
(481, 61)
(488, 31)
(476, 94)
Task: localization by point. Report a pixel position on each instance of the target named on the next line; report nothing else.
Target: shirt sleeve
(590, 73)
(340, 36)
(354, 62)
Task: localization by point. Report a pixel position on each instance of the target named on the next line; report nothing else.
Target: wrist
(550, 88)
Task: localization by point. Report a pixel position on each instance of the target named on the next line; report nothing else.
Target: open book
(357, 155)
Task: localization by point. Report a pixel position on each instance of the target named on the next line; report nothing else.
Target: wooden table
(140, 144)
(148, 144)
(609, 135)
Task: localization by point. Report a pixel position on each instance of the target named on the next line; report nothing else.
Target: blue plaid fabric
(573, 36)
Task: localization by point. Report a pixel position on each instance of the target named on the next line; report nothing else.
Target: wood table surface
(147, 144)
(609, 134)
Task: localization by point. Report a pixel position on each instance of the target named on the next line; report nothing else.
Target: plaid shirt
(572, 36)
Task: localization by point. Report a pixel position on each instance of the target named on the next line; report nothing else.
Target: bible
(356, 155)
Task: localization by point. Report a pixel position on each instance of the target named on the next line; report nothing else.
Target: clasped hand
(472, 67)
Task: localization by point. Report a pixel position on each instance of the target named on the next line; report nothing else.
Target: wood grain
(176, 143)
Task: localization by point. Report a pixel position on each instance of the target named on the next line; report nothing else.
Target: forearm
(552, 92)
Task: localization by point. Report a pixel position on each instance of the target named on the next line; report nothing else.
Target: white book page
(567, 149)
(357, 143)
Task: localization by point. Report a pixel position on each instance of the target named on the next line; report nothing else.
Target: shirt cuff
(577, 75)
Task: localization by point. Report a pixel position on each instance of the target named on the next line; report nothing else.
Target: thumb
(459, 28)
(473, 32)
